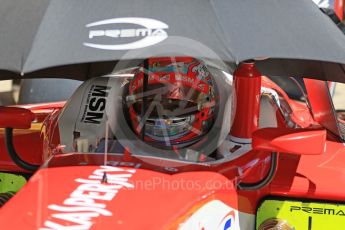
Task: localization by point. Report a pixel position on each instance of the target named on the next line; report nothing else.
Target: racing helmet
(171, 101)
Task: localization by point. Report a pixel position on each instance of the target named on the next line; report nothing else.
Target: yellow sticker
(11, 182)
(302, 215)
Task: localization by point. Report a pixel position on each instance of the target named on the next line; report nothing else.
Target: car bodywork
(284, 164)
(76, 190)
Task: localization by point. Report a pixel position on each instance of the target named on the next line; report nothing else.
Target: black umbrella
(19, 22)
(83, 38)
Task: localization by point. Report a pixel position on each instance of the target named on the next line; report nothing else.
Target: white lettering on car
(89, 200)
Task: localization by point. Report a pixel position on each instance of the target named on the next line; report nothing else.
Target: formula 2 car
(177, 125)
(280, 164)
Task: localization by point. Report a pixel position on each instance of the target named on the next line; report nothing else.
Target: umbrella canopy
(82, 38)
(19, 22)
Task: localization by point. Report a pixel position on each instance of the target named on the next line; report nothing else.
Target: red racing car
(240, 154)
(178, 123)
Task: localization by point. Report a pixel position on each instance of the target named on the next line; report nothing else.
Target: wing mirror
(16, 118)
(295, 141)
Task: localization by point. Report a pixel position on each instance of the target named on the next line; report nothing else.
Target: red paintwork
(247, 81)
(339, 9)
(301, 175)
(297, 176)
(130, 207)
(16, 118)
(317, 177)
(323, 111)
(290, 140)
(24, 138)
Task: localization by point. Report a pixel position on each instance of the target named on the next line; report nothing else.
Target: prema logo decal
(144, 31)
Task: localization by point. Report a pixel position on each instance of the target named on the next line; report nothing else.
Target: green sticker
(11, 182)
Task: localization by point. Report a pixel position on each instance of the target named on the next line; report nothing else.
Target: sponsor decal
(124, 164)
(144, 31)
(227, 221)
(95, 104)
(223, 217)
(89, 200)
(321, 211)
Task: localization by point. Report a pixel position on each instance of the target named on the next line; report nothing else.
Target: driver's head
(179, 101)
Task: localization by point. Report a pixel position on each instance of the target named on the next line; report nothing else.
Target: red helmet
(180, 101)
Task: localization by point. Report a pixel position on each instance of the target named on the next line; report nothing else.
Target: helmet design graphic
(177, 106)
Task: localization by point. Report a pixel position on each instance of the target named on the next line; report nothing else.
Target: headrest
(84, 115)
